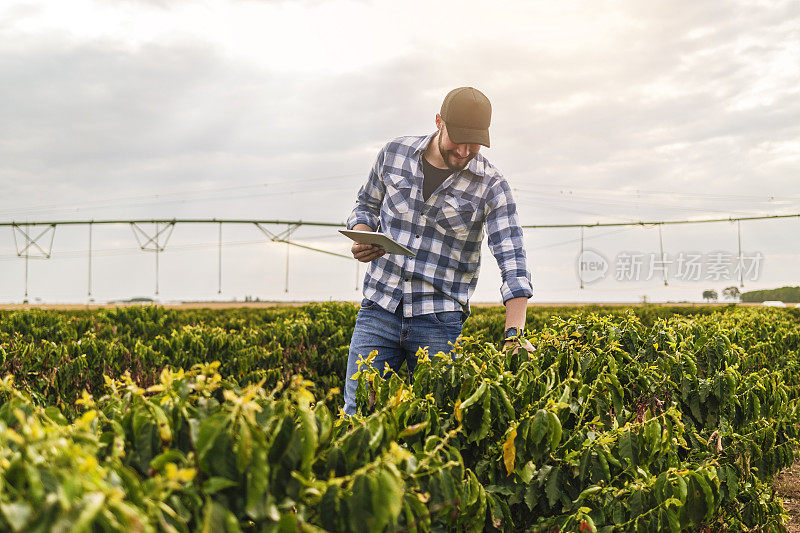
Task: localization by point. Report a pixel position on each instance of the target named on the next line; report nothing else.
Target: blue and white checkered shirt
(445, 232)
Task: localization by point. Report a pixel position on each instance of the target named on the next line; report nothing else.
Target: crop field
(145, 419)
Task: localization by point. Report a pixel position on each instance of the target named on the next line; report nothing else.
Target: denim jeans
(397, 339)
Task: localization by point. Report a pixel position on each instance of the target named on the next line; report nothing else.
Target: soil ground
(787, 484)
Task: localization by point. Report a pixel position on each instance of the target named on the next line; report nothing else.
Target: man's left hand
(517, 343)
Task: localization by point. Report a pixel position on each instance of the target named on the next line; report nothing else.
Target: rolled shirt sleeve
(369, 199)
(506, 244)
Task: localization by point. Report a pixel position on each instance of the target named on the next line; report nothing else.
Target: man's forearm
(515, 312)
(362, 227)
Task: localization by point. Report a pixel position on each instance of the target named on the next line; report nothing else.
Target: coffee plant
(146, 419)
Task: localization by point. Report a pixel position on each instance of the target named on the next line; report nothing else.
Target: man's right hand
(366, 252)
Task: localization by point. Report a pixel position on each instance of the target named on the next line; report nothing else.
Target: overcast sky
(602, 112)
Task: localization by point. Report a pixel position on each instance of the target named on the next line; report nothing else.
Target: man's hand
(366, 252)
(517, 343)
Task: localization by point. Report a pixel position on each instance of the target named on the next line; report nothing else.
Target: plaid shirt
(445, 232)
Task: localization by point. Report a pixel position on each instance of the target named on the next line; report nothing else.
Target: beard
(451, 158)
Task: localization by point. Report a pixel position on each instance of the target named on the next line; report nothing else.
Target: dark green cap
(467, 113)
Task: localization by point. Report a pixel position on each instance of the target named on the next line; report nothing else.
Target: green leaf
(626, 449)
(215, 484)
(531, 496)
(324, 422)
(308, 440)
(217, 519)
(652, 434)
(413, 430)
(329, 509)
(555, 430)
(553, 487)
(539, 427)
(361, 512)
(588, 492)
(525, 472)
(708, 496)
(486, 419)
(388, 498)
(732, 482)
(209, 429)
(603, 462)
(54, 414)
(506, 403)
(477, 395)
(681, 489)
(543, 473)
(673, 519)
(636, 503)
(257, 493)
(169, 456)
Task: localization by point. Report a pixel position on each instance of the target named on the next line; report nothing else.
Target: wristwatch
(512, 333)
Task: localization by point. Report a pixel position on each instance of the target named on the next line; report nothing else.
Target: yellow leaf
(510, 451)
(457, 410)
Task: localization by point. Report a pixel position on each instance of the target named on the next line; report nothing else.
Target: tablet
(381, 239)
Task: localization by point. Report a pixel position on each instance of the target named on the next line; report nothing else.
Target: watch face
(511, 332)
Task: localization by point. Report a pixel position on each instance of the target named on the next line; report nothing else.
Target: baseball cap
(467, 114)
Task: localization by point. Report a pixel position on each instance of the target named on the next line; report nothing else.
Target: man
(434, 194)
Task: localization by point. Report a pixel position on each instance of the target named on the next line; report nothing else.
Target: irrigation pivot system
(34, 240)
(29, 239)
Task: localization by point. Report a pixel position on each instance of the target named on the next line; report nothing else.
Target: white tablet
(381, 239)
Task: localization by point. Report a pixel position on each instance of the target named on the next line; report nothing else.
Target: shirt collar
(475, 166)
(422, 143)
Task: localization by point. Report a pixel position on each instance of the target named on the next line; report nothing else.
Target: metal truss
(28, 244)
(284, 238)
(153, 243)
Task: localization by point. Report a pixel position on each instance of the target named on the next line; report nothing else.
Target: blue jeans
(397, 339)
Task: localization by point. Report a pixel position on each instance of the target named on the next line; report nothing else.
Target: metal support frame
(90, 261)
(219, 261)
(28, 243)
(741, 264)
(282, 237)
(152, 244)
(663, 259)
(31, 242)
(29, 247)
(580, 269)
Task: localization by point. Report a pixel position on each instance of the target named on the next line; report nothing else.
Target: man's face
(456, 156)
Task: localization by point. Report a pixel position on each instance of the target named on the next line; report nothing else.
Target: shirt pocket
(398, 195)
(457, 216)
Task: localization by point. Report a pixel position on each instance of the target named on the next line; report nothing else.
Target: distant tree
(731, 293)
(784, 294)
(710, 294)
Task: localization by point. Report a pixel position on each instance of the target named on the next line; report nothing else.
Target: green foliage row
(609, 424)
(54, 355)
